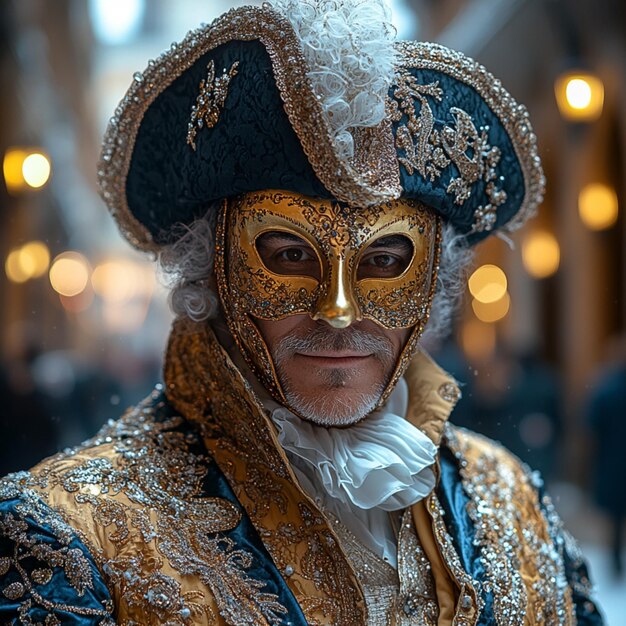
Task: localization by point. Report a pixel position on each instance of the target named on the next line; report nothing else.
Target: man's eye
(387, 257)
(287, 254)
(384, 261)
(293, 255)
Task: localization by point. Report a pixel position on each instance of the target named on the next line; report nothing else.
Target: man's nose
(337, 306)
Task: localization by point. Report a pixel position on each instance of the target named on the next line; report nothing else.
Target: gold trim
(429, 408)
(409, 350)
(379, 182)
(372, 176)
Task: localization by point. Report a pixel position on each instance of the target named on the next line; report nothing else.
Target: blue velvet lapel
(454, 501)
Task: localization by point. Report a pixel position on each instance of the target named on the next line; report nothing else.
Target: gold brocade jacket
(186, 511)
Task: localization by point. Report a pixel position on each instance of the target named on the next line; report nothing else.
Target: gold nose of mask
(337, 306)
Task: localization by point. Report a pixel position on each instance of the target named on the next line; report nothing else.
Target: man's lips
(335, 359)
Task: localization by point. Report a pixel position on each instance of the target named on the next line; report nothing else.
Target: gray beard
(327, 410)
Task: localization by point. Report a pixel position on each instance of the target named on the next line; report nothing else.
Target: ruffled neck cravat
(362, 472)
(382, 461)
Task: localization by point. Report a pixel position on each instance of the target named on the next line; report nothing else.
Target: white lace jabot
(383, 461)
(361, 472)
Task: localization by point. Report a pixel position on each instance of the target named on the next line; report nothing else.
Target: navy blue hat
(233, 109)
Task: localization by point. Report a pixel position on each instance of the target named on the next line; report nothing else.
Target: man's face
(324, 298)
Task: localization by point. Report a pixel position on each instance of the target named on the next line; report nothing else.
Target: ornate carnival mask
(281, 253)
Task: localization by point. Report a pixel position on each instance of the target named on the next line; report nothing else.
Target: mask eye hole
(386, 257)
(287, 254)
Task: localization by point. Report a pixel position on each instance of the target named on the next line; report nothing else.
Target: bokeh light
(580, 96)
(117, 280)
(13, 267)
(23, 168)
(125, 317)
(492, 311)
(36, 170)
(116, 21)
(34, 258)
(578, 93)
(597, 206)
(28, 261)
(478, 340)
(541, 254)
(69, 274)
(488, 283)
(12, 169)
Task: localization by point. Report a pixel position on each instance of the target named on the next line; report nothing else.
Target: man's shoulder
(121, 445)
(126, 470)
(99, 518)
(516, 520)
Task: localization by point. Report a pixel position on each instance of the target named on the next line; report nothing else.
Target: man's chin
(333, 407)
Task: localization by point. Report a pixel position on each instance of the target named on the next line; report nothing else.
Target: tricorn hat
(316, 97)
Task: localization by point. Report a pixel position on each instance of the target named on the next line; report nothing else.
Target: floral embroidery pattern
(430, 151)
(35, 559)
(138, 486)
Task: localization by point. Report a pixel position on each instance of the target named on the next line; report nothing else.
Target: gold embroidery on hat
(210, 101)
(430, 151)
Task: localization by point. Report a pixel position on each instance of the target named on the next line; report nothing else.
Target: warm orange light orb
(117, 280)
(579, 96)
(597, 206)
(492, 311)
(541, 254)
(25, 167)
(12, 169)
(34, 258)
(36, 170)
(488, 283)
(578, 93)
(13, 268)
(69, 274)
(28, 261)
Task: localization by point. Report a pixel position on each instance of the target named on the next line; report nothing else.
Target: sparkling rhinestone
(449, 392)
(466, 603)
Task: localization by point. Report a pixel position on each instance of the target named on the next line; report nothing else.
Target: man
(313, 185)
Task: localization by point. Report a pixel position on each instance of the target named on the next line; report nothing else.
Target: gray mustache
(323, 339)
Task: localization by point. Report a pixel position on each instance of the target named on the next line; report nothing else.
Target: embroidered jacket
(186, 511)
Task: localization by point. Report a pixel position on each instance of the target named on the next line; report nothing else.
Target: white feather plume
(348, 46)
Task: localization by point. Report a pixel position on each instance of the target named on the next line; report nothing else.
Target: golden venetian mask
(281, 253)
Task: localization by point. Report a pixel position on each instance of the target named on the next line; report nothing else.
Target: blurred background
(540, 346)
